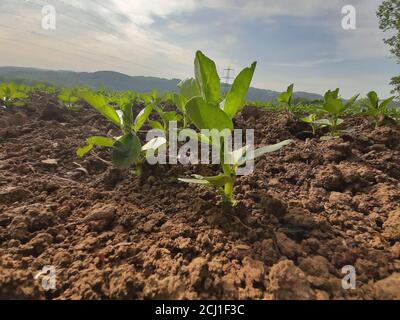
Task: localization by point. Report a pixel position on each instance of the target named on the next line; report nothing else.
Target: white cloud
(124, 36)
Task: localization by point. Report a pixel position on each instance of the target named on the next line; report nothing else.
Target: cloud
(294, 40)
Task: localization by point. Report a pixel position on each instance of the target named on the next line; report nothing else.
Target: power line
(227, 78)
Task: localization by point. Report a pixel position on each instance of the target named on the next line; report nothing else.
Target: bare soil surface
(307, 211)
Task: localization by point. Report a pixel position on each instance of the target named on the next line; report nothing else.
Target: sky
(293, 41)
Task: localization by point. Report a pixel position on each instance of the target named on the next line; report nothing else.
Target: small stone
(50, 162)
(242, 247)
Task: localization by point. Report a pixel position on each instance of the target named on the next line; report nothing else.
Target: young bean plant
(376, 109)
(311, 120)
(285, 99)
(210, 111)
(12, 95)
(334, 108)
(126, 149)
(69, 99)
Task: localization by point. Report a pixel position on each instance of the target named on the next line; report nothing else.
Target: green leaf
(215, 181)
(154, 143)
(207, 78)
(385, 103)
(82, 151)
(339, 122)
(206, 116)
(199, 137)
(94, 141)
(180, 102)
(333, 105)
(261, 151)
(171, 116)
(189, 88)
(332, 94)
(237, 95)
(126, 151)
(235, 156)
(373, 99)
(352, 100)
(142, 117)
(100, 104)
(195, 181)
(127, 115)
(286, 97)
(324, 122)
(218, 181)
(310, 118)
(156, 125)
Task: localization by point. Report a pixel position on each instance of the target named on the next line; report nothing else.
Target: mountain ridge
(119, 81)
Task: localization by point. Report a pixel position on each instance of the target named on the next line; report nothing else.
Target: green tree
(389, 21)
(396, 84)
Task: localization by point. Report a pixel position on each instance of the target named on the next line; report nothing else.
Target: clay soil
(307, 211)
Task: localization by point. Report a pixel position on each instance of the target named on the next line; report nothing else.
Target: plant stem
(334, 126)
(227, 170)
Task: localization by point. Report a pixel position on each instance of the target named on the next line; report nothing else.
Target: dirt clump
(305, 212)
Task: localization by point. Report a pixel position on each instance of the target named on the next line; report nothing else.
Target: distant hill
(118, 81)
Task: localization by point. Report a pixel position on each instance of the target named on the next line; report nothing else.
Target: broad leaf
(332, 94)
(154, 143)
(261, 151)
(195, 181)
(95, 141)
(142, 117)
(373, 99)
(324, 122)
(156, 125)
(189, 88)
(235, 156)
(215, 181)
(127, 115)
(237, 95)
(206, 116)
(180, 102)
(352, 100)
(385, 103)
(286, 97)
(207, 78)
(333, 105)
(218, 181)
(126, 151)
(199, 137)
(171, 116)
(100, 104)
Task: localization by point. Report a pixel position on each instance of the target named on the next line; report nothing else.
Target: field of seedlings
(318, 218)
